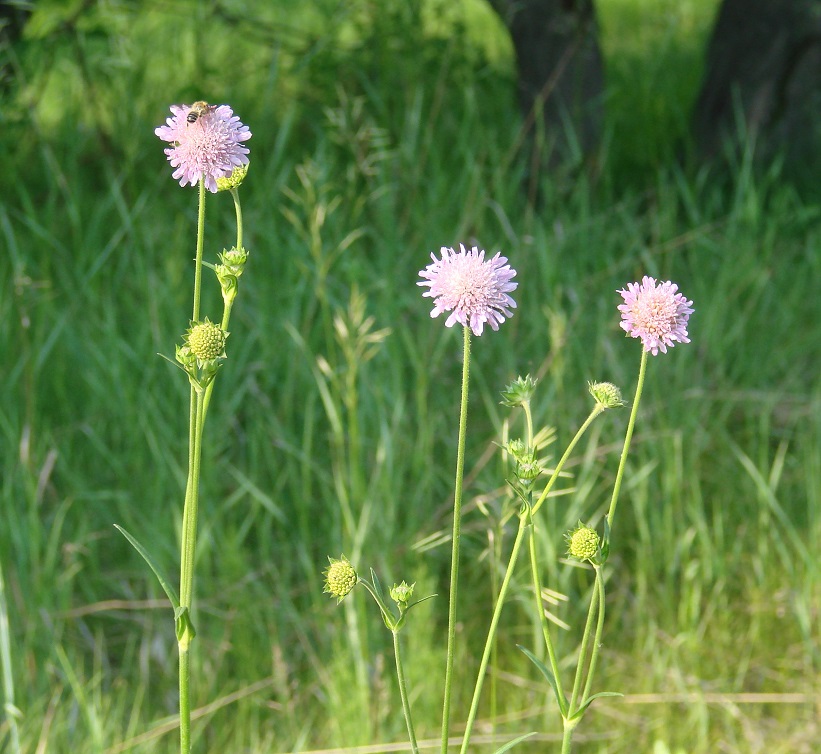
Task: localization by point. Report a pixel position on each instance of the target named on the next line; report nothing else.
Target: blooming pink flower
(473, 289)
(656, 314)
(209, 147)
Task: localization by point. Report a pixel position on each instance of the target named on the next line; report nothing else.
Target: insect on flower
(198, 109)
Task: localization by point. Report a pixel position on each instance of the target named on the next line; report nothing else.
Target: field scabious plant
(206, 151)
(476, 292)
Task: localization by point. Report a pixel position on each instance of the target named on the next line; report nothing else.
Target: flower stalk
(525, 524)
(455, 540)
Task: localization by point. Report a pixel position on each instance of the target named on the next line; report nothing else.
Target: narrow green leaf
(550, 679)
(587, 701)
(424, 599)
(167, 588)
(377, 587)
(511, 744)
(605, 543)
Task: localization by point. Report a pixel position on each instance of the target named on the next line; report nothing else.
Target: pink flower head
(472, 289)
(207, 146)
(656, 314)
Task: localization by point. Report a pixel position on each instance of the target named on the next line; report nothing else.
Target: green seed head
(606, 394)
(207, 341)
(340, 578)
(582, 542)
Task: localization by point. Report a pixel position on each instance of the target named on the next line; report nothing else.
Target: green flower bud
(606, 394)
(402, 593)
(234, 180)
(519, 391)
(527, 463)
(340, 578)
(186, 358)
(233, 261)
(582, 542)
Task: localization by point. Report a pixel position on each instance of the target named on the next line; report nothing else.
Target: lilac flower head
(656, 314)
(473, 289)
(205, 143)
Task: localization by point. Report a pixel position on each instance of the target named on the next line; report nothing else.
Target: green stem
(567, 736)
(457, 528)
(594, 656)
(189, 534)
(588, 631)
(403, 693)
(198, 261)
(228, 304)
(523, 520)
(597, 409)
(626, 448)
(191, 505)
(185, 700)
(570, 721)
(494, 622)
(238, 210)
(537, 588)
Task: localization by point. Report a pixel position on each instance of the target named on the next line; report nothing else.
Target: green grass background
(383, 131)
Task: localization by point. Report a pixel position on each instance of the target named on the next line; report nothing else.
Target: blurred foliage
(104, 72)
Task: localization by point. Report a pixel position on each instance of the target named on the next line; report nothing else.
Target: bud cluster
(528, 465)
(231, 266)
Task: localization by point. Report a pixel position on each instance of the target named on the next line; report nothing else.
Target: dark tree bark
(763, 76)
(561, 76)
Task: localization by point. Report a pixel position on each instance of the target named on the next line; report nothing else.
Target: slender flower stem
(457, 529)
(494, 622)
(537, 590)
(403, 693)
(238, 209)
(626, 448)
(598, 408)
(594, 656)
(200, 244)
(588, 631)
(524, 519)
(185, 700)
(596, 608)
(189, 543)
(228, 303)
(190, 507)
(189, 534)
(567, 737)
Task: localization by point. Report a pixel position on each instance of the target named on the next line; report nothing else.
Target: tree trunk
(763, 79)
(561, 77)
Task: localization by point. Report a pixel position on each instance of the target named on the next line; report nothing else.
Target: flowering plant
(207, 150)
(475, 291)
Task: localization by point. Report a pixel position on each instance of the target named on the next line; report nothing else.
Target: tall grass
(364, 159)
